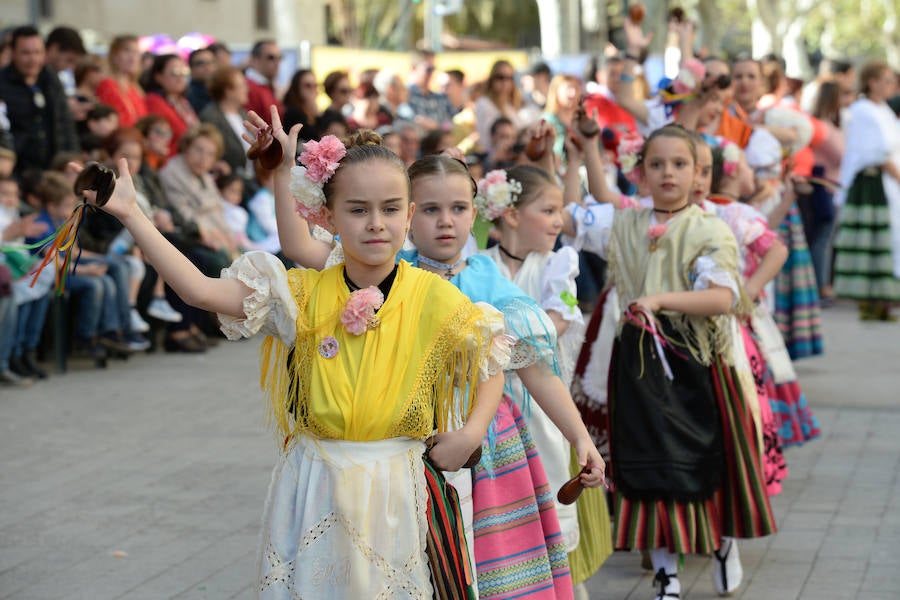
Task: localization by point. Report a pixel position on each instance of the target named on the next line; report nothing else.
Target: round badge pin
(328, 347)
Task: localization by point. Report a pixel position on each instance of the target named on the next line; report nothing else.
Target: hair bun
(363, 137)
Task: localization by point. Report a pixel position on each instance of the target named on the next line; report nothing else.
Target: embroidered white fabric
(346, 520)
(269, 308)
(558, 279)
(708, 273)
(492, 325)
(593, 227)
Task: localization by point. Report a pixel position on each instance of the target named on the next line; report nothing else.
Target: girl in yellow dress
(363, 361)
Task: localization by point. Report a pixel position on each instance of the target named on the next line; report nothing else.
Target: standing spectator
(39, 117)
(504, 153)
(265, 58)
(432, 110)
(868, 252)
(202, 63)
(502, 99)
(601, 104)
(537, 92)
(166, 83)
(820, 211)
(562, 103)
(64, 50)
(228, 89)
(452, 84)
(300, 105)
(122, 90)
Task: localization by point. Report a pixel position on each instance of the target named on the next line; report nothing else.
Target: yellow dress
(346, 511)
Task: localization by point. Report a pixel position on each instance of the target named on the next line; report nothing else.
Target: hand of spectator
(255, 124)
(426, 123)
(573, 145)
(27, 227)
(221, 168)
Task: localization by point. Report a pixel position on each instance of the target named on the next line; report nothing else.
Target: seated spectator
(562, 103)
(452, 84)
(64, 49)
(202, 63)
(88, 75)
(409, 142)
(300, 105)
(222, 54)
(262, 227)
(231, 193)
(166, 83)
(121, 89)
(337, 88)
(536, 86)
(504, 149)
(7, 330)
(37, 113)
(101, 121)
(394, 94)
(333, 123)
(201, 231)
(157, 139)
(29, 303)
(367, 110)
(98, 327)
(228, 90)
(435, 142)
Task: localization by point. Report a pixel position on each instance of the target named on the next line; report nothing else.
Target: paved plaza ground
(146, 481)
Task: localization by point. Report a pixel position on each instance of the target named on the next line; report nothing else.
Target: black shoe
(114, 342)
(10, 379)
(30, 361)
(187, 344)
(17, 365)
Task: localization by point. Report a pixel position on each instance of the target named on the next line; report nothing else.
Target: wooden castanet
(571, 489)
(266, 150)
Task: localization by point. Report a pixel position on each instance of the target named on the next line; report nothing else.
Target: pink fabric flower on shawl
(656, 231)
(359, 311)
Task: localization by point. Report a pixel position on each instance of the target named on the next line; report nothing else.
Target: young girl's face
(370, 210)
(744, 174)
(669, 171)
(9, 194)
(233, 192)
(538, 223)
(444, 215)
(703, 182)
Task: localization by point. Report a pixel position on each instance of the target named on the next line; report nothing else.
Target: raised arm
(224, 296)
(293, 231)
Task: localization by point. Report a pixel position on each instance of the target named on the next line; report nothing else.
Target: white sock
(668, 562)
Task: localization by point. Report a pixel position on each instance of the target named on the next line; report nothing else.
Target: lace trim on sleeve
(269, 308)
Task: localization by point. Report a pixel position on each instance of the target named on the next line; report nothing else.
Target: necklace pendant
(653, 246)
(373, 323)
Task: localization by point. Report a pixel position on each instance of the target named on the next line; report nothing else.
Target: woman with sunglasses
(300, 105)
(502, 99)
(166, 83)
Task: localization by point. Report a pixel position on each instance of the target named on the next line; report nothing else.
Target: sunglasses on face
(503, 77)
(274, 57)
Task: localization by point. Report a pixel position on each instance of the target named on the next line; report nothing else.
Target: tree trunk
(710, 26)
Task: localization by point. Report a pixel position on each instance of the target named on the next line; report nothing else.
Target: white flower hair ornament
(629, 151)
(318, 162)
(731, 156)
(496, 193)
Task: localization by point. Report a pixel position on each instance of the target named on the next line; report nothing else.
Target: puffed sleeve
(558, 290)
(269, 307)
(763, 149)
(593, 227)
(533, 335)
(708, 273)
(750, 227)
(491, 326)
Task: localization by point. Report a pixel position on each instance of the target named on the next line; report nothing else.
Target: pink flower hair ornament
(318, 162)
(629, 152)
(496, 193)
(731, 155)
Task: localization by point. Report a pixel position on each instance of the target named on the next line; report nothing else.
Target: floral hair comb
(318, 162)
(496, 193)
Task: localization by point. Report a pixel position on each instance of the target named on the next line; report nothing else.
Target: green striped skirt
(864, 266)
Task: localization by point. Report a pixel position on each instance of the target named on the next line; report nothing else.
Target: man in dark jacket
(35, 104)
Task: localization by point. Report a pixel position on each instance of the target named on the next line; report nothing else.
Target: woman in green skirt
(867, 268)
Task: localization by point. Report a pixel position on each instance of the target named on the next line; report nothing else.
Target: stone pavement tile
(800, 519)
(777, 581)
(805, 541)
(205, 571)
(882, 578)
(620, 577)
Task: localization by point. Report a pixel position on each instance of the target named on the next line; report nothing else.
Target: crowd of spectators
(178, 121)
